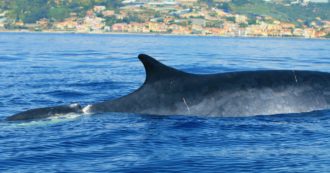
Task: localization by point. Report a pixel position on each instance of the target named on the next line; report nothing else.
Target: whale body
(168, 91)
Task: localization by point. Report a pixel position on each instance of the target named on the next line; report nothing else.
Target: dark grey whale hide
(168, 91)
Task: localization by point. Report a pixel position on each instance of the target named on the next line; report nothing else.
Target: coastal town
(178, 17)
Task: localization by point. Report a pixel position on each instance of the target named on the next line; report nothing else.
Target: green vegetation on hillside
(29, 11)
(279, 11)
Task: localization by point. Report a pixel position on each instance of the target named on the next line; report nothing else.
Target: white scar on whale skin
(295, 76)
(87, 109)
(184, 101)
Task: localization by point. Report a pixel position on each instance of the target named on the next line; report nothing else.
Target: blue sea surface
(40, 70)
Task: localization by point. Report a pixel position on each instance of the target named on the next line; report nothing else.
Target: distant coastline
(155, 34)
(224, 18)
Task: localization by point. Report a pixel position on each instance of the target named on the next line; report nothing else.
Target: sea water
(40, 70)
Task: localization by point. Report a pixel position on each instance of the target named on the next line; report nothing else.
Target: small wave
(5, 58)
(78, 53)
(65, 94)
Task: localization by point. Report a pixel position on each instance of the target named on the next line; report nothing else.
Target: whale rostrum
(168, 91)
(46, 112)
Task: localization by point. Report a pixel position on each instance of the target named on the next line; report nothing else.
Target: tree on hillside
(113, 4)
(59, 13)
(208, 2)
(224, 6)
(28, 11)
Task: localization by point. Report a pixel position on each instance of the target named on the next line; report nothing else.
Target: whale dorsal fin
(157, 71)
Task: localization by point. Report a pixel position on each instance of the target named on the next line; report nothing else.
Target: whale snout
(46, 112)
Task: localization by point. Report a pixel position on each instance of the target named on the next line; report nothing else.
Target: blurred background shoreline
(226, 18)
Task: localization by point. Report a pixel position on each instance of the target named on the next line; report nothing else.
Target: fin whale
(168, 91)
